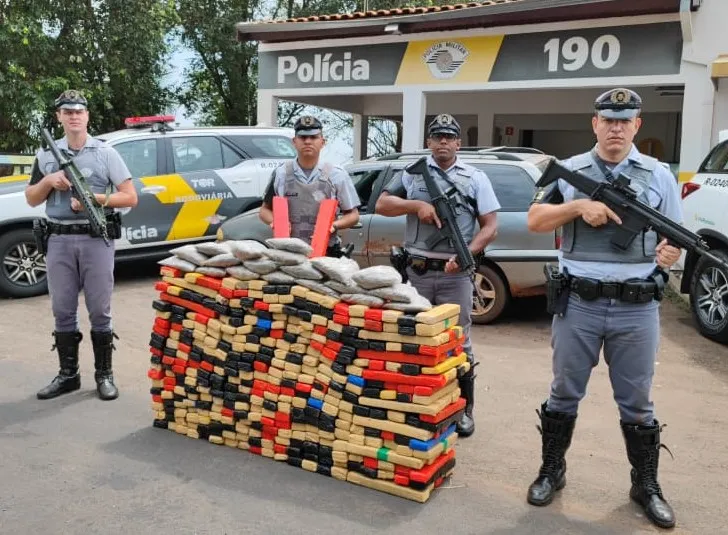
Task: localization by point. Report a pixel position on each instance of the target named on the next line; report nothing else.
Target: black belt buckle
(612, 290)
(418, 264)
(587, 289)
(436, 264)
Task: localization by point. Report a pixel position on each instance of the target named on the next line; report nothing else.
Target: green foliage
(221, 81)
(117, 51)
(112, 50)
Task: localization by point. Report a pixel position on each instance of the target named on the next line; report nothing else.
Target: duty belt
(421, 264)
(73, 228)
(631, 291)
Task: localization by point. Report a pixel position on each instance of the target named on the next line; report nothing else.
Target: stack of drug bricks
(365, 394)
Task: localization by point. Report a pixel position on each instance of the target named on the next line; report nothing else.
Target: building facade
(513, 72)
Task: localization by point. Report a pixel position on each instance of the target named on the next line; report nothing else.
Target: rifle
(80, 190)
(636, 216)
(449, 231)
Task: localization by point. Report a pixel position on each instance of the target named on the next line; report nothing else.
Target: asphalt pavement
(80, 465)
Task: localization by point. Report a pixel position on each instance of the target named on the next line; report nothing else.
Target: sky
(337, 150)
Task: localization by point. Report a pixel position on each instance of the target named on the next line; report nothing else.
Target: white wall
(705, 37)
(720, 109)
(565, 134)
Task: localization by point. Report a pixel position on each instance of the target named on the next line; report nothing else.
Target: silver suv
(513, 265)
(189, 180)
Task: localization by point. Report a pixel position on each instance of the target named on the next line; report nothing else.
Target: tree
(221, 80)
(384, 137)
(112, 50)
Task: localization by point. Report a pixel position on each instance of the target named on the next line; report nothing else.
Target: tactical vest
(92, 164)
(581, 241)
(304, 201)
(417, 233)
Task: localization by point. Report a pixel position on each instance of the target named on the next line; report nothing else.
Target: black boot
(466, 425)
(556, 430)
(103, 348)
(643, 451)
(68, 378)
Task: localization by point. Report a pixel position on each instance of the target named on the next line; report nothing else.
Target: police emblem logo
(620, 96)
(307, 120)
(445, 59)
(444, 119)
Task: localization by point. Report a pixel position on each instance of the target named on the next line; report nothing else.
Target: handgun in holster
(557, 289)
(41, 233)
(398, 259)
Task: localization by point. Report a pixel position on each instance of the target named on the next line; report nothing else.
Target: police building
(512, 72)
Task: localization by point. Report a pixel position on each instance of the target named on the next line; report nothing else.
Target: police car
(704, 201)
(189, 180)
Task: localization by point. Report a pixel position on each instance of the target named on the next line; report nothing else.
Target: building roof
(483, 14)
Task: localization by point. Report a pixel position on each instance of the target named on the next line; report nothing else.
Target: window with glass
(196, 153)
(717, 160)
(264, 146)
(140, 156)
(512, 185)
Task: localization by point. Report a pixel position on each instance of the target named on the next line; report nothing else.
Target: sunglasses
(441, 136)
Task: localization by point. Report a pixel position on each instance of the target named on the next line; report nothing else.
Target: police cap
(71, 100)
(308, 126)
(619, 103)
(444, 124)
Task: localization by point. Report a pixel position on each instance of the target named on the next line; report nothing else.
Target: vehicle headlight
(219, 235)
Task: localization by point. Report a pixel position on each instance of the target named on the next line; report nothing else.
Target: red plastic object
(322, 230)
(281, 223)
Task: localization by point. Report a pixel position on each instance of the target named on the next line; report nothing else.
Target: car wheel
(709, 298)
(494, 291)
(22, 267)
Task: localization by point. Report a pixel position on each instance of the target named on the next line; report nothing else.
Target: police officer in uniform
(599, 314)
(76, 260)
(435, 273)
(306, 181)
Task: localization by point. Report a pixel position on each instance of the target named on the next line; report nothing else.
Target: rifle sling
(602, 166)
(472, 202)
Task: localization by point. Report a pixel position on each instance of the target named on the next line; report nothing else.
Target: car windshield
(717, 161)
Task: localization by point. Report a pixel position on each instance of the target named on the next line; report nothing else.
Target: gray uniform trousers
(629, 334)
(440, 288)
(78, 262)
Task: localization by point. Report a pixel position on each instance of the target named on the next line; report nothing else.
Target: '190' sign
(574, 52)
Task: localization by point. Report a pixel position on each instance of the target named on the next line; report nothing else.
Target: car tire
(18, 252)
(708, 303)
(493, 288)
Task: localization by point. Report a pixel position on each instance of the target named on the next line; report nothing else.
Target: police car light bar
(132, 122)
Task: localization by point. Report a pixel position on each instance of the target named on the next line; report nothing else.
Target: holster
(336, 251)
(113, 225)
(41, 232)
(398, 259)
(660, 278)
(557, 290)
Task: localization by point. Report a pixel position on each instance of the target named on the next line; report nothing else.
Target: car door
(364, 178)
(203, 197)
(149, 222)
(382, 232)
